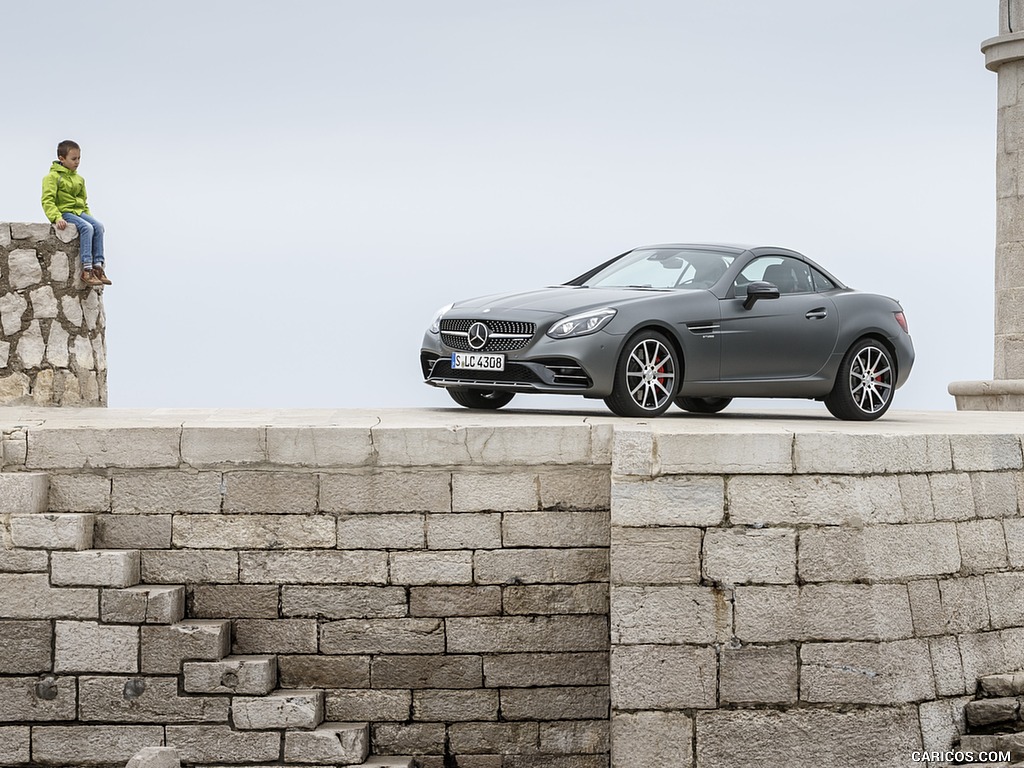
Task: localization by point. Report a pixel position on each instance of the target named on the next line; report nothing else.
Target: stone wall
(777, 597)
(52, 341)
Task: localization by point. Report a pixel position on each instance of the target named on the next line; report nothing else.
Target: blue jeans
(90, 238)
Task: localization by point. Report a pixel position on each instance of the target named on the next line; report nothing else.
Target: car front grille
(549, 372)
(505, 335)
(513, 374)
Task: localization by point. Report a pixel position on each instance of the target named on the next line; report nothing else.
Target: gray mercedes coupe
(694, 325)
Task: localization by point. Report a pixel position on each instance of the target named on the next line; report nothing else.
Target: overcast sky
(292, 189)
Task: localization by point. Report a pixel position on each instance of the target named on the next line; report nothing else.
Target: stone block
(368, 705)
(982, 545)
(335, 743)
(23, 561)
(96, 567)
(427, 672)
(146, 604)
(1013, 529)
(432, 567)
(879, 552)
(345, 567)
(1005, 598)
(307, 446)
(85, 646)
(27, 647)
(670, 615)
(23, 266)
(455, 601)
(651, 740)
(995, 494)
(758, 675)
(823, 612)
(487, 446)
(866, 673)
(814, 500)
(985, 453)
(52, 531)
(316, 671)
(185, 566)
(207, 743)
(132, 532)
(271, 532)
(554, 599)
(526, 634)
(213, 446)
(992, 711)
(528, 670)
(583, 488)
(37, 699)
(952, 496)
(540, 566)
(926, 607)
(164, 648)
(155, 757)
(668, 501)
(95, 447)
(750, 556)
(579, 737)
(454, 706)
(1002, 685)
(15, 740)
(655, 555)
(506, 491)
(30, 596)
(386, 491)
(374, 636)
(280, 709)
(167, 492)
(632, 452)
(275, 636)
(555, 528)
(92, 744)
(807, 738)
(664, 677)
(270, 493)
(393, 531)
(487, 738)
(562, 703)
(34, 232)
(830, 453)
(464, 531)
(145, 700)
(234, 601)
(243, 675)
(340, 602)
(24, 492)
(391, 762)
(964, 605)
(733, 454)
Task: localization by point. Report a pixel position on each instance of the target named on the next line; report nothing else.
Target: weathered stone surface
(866, 673)
(147, 604)
(145, 700)
(986, 453)
(23, 561)
(23, 492)
(235, 601)
(583, 488)
(280, 709)
(526, 670)
(670, 614)
(1005, 593)
(882, 552)
(245, 675)
(360, 704)
(982, 545)
(452, 706)
(81, 349)
(14, 388)
(507, 491)
(12, 311)
(664, 677)
(85, 646)
(15, 740)
(30, 596)
(455, 601)
(167, 492)
(5, 353)
(383, 636)
(463, 531)
(155, 757)
(79, 493)
(759, 675)
(709, 452)
(31, 346)
(253, 532)
(744, 555)
(669, 501)
(845, 454)
(394, 531)
(132, 532)
(338, 602)
(814, 499)
(23, 268)
(553, 599)
(427, 672)
(165, 647)
(257, 636)
(211, 445)
(207, 743)
(1003, 685)
(540, 566)
(96, 567)
(386, 491)
(32, 231)
(576, 738)
(60, 266)
(92, 744)
(562, 703)
(488, 738)
(522, 634)
(555, 528)
(71, 307)
(270, 492)
(990, 711)
(435, 567)
(26, 646)
(655, 555)
(74, 448)
(338, 743)
(347, 567)
(300, 671)
(995, 494)
(652, 739)
(44, 303)
(37, 699)
(5, 234)
(52, 531)
(186, 565)
(319, 446)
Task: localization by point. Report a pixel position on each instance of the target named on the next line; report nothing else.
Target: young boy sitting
(64, 201)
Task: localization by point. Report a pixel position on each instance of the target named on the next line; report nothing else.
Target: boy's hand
(60, 224)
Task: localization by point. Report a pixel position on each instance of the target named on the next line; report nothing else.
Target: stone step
(165, 648)
(985, 712)
(143, 604)
(333, 743)
(388, 762)
(26, 492)
(246, 675)
(282, 708)
(95, 568)
(50, 530)
(994, 686)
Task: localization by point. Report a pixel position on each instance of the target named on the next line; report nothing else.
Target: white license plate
(469, 361)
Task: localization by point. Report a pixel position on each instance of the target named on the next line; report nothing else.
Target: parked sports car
(694, 325)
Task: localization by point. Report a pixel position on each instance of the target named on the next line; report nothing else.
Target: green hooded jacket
(63, 192)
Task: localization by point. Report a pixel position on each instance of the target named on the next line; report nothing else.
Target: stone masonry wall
(52, 341)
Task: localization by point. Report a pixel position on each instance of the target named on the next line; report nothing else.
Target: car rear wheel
(646, 377)
(703, 404)
(487, 399)
(864, 385)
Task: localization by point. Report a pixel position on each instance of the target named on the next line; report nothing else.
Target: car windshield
(663, 268)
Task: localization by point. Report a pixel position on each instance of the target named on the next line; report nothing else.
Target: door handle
(817, 314)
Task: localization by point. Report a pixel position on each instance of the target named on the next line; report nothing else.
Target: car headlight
(583, 324)
(435, 324)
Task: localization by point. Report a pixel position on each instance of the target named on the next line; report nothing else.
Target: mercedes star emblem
(478, 334)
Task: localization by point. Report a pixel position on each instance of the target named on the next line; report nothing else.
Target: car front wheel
(703, 404)
(646, 377)
(486, 399)
(864, 385)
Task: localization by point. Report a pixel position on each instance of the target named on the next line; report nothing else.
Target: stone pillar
(1005, 56)
(52, 338)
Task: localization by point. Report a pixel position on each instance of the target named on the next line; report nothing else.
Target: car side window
(788, 275)
(821, 283)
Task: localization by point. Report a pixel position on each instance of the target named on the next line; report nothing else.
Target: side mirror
(760, 290)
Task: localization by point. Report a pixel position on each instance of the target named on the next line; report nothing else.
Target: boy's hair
(66, 146)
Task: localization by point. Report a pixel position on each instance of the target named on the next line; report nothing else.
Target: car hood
(560, 300)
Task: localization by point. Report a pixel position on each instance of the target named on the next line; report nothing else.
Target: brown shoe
(90, 279)
(98, 272)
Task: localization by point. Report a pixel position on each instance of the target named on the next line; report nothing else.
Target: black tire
(481, 399)
(703, 404)
(865, 383)
(646, 377)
